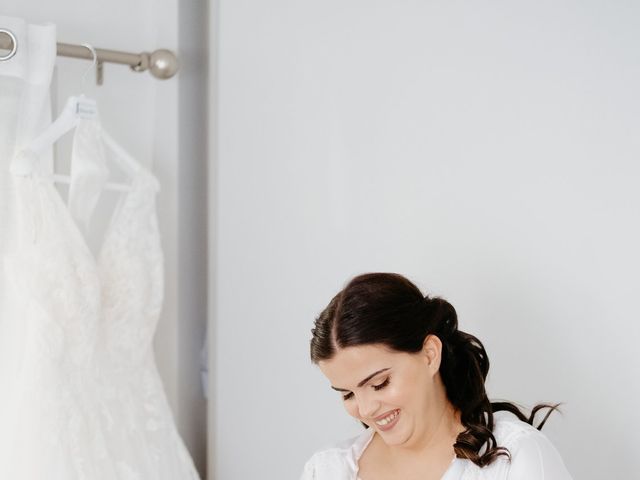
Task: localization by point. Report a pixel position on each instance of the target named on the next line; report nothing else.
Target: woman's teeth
(388, 419)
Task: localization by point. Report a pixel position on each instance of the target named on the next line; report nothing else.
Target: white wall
(488, 151)
(145, 114)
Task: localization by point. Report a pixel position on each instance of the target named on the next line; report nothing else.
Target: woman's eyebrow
(363, 381)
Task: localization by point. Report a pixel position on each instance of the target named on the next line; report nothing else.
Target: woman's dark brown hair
(387, 309)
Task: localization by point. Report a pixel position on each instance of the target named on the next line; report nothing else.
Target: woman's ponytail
(463, 369)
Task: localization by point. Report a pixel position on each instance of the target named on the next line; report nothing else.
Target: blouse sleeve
(533, 457)
(309, 471)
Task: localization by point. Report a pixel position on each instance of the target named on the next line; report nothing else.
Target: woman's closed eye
(375, 387)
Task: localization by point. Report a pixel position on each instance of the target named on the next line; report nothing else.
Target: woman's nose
(367, 406)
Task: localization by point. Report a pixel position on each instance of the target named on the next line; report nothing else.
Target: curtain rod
(161, 63)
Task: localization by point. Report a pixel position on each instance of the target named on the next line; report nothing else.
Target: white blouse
(533, 457)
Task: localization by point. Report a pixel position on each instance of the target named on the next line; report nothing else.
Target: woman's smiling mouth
(388, 421)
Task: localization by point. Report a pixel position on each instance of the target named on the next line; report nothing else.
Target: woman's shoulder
(339, 461)
(511, 432)
(532, 455)
(508, 428)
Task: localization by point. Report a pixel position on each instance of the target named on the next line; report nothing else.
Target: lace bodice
(131, 268)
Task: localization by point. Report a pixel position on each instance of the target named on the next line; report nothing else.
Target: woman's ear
(432, 353)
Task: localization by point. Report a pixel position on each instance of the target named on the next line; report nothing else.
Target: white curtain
(25, 111)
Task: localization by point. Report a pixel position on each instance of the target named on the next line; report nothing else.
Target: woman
(416, 383)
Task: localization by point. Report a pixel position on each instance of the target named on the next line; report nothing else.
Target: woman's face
(398, 394)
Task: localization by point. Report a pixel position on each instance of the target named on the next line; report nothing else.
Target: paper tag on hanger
(86, 108)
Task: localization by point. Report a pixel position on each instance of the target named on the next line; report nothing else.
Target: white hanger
(77, 108)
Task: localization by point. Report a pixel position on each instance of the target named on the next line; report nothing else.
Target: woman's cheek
(395, 396)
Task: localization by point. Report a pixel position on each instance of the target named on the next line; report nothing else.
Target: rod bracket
(99, 72)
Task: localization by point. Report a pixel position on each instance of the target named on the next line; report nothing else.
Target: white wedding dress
(88, 403)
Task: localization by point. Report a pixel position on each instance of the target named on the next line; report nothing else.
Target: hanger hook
(93, 63)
